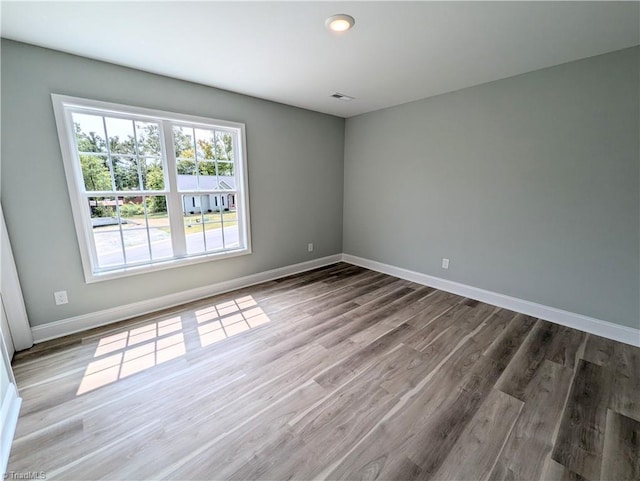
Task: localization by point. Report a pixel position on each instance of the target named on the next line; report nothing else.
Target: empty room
(320, 240)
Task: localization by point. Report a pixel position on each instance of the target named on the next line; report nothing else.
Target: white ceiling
(397, 52)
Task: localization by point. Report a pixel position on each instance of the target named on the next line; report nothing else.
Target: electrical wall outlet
(60, 297)
(310, 247)
(445, 263)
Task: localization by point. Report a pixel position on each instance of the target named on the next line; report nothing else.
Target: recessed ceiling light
(342, 97)
(340, 22)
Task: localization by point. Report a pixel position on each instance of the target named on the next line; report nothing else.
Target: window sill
(93, 277)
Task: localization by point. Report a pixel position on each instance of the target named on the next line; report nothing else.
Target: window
(144, 186)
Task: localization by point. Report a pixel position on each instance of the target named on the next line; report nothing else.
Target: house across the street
(207, 202)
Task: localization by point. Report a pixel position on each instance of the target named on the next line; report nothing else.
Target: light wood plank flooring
(337, 373)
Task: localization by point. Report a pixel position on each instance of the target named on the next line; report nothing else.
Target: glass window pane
(157, 209)
(185, 158)
(152, 173)
(195, 241)
(207, 182)
(204, 144)
(159, 230)
(224, 146)
(136, 244)
(148, 135)
(231, 198)
(187, 168)
(121, 137)
(95, 172)
(191, 207)
(226, 169)
(213, 232)
(183, 141)
(193, 222)
(161, 249)
(206, 168)
(194, 238)
(132, 211)
(103, 213)
(89, 132)
(125, 171)
(108, 247)
(231, 235)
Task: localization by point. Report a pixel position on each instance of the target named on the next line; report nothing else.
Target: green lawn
(211, 220)
(191, 222)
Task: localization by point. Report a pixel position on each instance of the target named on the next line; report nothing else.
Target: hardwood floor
(337, 373)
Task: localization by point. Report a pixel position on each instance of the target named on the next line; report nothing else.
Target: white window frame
(64, 106)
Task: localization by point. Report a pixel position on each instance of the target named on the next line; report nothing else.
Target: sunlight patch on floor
(229, 318)
(123, 354)
(120, 355)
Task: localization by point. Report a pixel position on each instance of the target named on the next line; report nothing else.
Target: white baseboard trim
(83, 322)
(591, 325)
(9, 420)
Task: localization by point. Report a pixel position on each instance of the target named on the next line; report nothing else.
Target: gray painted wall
(295, 160)
(530, 185)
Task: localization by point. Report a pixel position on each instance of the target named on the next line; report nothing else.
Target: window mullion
(224, 244)
(93, 252)
(174, 204)
(240, 193)
(112, 168)
(138, 157)
(146, 223)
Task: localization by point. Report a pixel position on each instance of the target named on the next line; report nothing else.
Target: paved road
(109, 252)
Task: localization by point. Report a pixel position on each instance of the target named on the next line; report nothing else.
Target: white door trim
(12, 294)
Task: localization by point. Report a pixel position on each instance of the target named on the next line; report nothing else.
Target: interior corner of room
(529, 185)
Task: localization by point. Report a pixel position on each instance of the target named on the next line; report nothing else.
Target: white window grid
(65, 107)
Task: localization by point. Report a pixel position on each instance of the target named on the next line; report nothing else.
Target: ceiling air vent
(344, 97)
